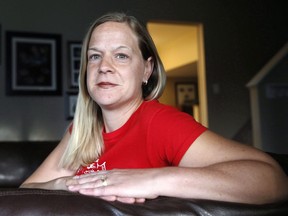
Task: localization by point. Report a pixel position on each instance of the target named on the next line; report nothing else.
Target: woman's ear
(149, 65)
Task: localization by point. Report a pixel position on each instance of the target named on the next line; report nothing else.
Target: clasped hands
(128, 186)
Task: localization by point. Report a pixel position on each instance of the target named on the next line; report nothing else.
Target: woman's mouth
(106, 85)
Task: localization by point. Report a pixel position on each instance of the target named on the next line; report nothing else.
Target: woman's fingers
(128, 186)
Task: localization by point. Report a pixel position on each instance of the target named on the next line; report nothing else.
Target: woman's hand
(127, 185)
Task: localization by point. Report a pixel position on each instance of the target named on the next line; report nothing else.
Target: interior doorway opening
(181, 48)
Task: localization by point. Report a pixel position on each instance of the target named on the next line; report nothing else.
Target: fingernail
(71, 187)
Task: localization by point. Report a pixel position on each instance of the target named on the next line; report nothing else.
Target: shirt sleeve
(171, 133)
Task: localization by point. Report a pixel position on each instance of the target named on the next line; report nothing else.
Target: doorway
(181, 48)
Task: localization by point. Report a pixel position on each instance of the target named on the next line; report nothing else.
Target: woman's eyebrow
(122, 47)
(93, 49)
(115, 49)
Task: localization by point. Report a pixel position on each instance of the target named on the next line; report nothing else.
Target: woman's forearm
(55, 184)
(42, 185)
(252, 182)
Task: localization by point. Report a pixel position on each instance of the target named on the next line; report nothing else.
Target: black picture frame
(186, 96)
(33, 63)
(71, 100)
(74, 53)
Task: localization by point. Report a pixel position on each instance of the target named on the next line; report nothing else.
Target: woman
(123, 145)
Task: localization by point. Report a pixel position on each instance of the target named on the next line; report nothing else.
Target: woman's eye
(121, 56)
(93, 57)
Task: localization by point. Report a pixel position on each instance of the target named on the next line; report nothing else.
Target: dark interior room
(242, 89)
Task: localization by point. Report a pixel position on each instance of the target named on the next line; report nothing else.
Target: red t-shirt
(156, 135)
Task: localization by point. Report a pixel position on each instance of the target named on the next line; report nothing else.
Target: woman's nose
(106, 65)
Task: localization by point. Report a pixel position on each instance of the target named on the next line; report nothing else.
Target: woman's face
(115, 68)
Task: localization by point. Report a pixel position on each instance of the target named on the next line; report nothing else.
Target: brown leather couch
(19, 159)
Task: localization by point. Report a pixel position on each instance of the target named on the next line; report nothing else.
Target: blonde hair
(86, 142)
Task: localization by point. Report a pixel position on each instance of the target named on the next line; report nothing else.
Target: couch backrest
(18, 160)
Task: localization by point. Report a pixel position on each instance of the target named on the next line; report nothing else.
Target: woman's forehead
(113, 32)
(117, 28)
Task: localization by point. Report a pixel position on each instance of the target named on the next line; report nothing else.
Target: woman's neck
(115, 118)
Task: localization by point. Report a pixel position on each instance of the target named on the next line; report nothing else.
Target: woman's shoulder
(166, 114)
(155, 105)
(158, 111)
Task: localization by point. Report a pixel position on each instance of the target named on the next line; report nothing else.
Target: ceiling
(177, 45)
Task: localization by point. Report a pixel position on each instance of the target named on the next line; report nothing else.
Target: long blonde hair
(86, 142)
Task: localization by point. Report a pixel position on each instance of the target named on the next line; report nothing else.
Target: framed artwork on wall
(71, 100)
(186, 96)
(74, 51)
(33, 63)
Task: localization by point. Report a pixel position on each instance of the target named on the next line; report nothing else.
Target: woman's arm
(49, 175)
(231, 171)
(212, 168)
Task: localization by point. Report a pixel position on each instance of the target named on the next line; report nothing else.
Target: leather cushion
(19, 159)
(46, 202)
